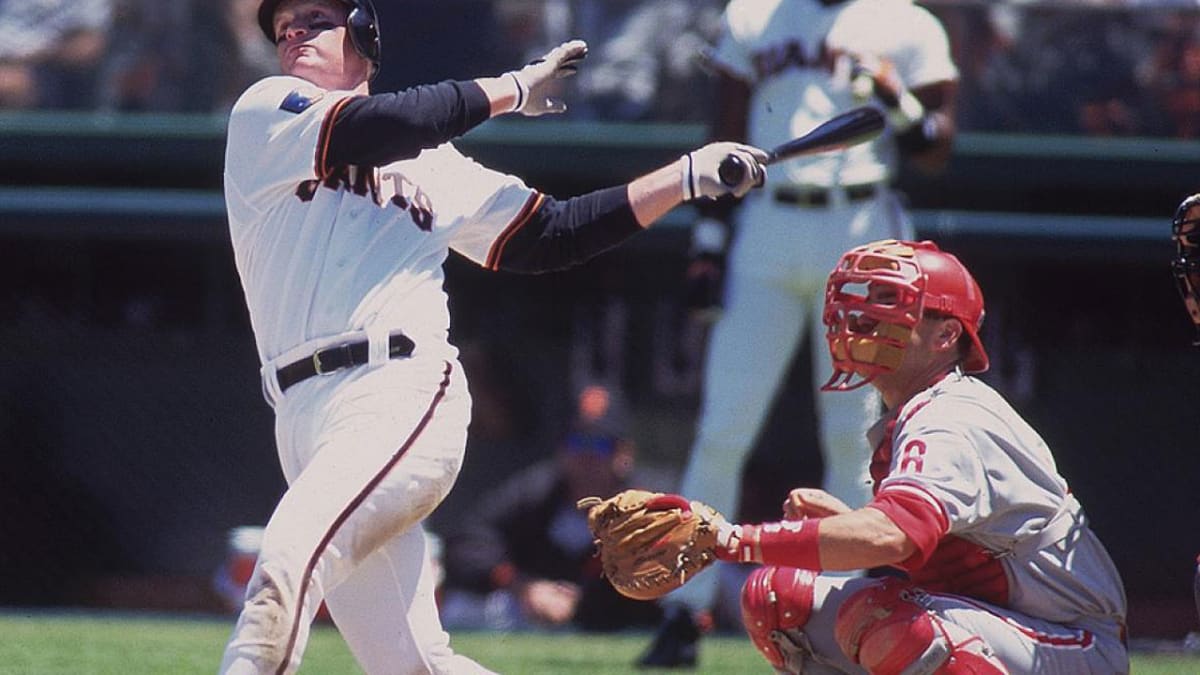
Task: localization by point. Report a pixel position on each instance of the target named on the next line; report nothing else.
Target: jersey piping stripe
(352, 507)
(323, 138)
(532, 204)
(1069, 638)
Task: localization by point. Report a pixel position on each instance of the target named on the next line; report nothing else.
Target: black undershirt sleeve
(383, 128)
(563, 233)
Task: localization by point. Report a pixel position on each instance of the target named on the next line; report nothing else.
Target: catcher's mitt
(651, 543)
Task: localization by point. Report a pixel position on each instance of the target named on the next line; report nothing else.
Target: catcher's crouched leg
(888, 629)
(776, 604)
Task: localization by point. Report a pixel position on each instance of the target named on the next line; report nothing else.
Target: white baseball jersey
(796, 57)
(359, 250)
(975, 481)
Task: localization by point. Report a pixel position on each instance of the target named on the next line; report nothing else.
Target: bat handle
(731, 171)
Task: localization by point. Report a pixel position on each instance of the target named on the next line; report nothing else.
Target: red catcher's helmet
(362, 24)
(868, 338)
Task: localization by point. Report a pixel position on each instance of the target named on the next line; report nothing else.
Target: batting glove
(536, 81)
(874, 76)
(699, 170)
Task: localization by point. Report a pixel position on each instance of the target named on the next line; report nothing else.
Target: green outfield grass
(40, 643)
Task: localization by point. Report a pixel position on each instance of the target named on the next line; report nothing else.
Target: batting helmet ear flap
(363, 26)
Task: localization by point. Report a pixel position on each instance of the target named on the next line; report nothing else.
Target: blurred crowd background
(137, 455)
(1095, 67)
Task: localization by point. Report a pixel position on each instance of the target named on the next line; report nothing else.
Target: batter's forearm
(563, 233)
(652, 196)
(695, 177)
(502, 93)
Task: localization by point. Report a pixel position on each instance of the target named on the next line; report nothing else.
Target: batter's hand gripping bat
(842, 131)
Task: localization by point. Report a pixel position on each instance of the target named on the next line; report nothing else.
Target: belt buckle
(319, 368)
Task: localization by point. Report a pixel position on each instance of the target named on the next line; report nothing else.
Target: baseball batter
(342, 207)
(1003, 573)
(787, 66)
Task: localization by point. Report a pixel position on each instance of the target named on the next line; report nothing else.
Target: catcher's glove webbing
(651, 543)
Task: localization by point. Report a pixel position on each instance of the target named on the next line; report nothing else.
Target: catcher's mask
(1186, 265)
(876, 295)
(362, 24)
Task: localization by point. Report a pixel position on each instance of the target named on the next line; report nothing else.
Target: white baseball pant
(368, 453)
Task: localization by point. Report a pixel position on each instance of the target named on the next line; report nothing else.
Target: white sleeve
(942, 463)
(487, 204)
(928, 59)
(730, 55)
(275, 131)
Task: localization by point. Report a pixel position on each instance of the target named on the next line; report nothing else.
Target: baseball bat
(841, 131)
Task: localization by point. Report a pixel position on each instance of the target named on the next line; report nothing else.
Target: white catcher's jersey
(991, 479)
(356, 250)
(795, 55)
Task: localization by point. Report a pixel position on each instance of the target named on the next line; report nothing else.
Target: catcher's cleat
(676, 643)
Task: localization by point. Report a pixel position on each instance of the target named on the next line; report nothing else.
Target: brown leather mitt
(651, 543)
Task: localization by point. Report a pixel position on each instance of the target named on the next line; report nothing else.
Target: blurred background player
(1004, 573)
(523, 557)
(51, 50)
(785, 66)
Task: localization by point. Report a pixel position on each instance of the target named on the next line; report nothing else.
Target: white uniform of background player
(794, 60)
(342, 208)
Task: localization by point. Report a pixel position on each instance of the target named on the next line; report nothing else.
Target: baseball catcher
(651, 543)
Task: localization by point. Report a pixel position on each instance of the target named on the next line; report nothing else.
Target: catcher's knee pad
(888, 630)
(776, 604)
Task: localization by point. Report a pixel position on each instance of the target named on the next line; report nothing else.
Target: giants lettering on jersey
(779, 57)
(363, 182)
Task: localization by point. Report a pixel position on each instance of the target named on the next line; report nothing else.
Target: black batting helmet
(362, 24)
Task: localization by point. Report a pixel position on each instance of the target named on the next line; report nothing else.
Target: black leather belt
(823, 196)
(337, 357)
